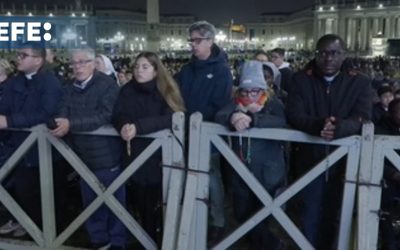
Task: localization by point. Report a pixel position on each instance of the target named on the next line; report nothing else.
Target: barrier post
(187, 226)
(175, 187)
(365, 178)
(46, 187)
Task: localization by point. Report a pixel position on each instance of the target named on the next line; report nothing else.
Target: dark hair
(279, 51)
(37, 48)
(329, 38)
(384, 89)
(260, 52)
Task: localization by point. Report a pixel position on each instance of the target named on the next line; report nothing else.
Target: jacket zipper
(327, 148)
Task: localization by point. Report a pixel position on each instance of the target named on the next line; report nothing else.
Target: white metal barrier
(186, 227)
(172, 151)
(375, 150)
(193, 226)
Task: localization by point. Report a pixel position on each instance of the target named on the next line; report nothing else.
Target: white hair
(85, 50)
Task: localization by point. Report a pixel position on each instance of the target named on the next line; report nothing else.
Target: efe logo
(9, 31)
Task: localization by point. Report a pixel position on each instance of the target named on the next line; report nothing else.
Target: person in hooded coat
(255, 106)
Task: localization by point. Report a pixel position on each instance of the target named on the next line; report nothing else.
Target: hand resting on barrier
(128, 132)
(3, 122)
(328, 132)
(240, 121)
(62, 128)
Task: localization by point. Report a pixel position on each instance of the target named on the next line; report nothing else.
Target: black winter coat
(386, 126)
(312, 100)
(143, 105)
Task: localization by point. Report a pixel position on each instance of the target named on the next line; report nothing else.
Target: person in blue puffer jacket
(206, 86)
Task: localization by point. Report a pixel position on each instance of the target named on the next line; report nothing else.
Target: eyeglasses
(249, 92)
(326, 53)
(197, 40)
(23, 55)
(80, 63)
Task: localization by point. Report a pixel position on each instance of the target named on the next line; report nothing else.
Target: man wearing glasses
(88, 104)
(31, 98)
(206, 87)
(330, 102)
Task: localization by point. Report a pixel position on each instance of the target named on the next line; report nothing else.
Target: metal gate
(193, 226)
(172, 151)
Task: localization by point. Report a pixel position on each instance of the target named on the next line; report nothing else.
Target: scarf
(246, 104)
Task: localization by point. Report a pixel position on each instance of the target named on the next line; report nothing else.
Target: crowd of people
(327, 94)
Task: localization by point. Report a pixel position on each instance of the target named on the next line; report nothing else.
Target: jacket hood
(276, 73)
(217, 56)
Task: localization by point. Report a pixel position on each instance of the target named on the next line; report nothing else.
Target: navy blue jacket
(89, 109)
(27, 103)
(206, 85)
(3, 86)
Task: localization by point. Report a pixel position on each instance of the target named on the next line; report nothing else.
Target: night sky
(224, 10)
(218, 11)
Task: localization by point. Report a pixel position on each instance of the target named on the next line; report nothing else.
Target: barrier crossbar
(169, 140)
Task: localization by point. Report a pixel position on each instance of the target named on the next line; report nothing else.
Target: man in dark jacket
(278, 58)
(206, 87)
(32, 97)
(380, 109)
(87, 106)
(330, 103)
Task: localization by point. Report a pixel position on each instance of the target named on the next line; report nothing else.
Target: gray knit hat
(252, 76)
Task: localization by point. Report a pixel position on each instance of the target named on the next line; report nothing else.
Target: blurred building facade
(365, 26)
